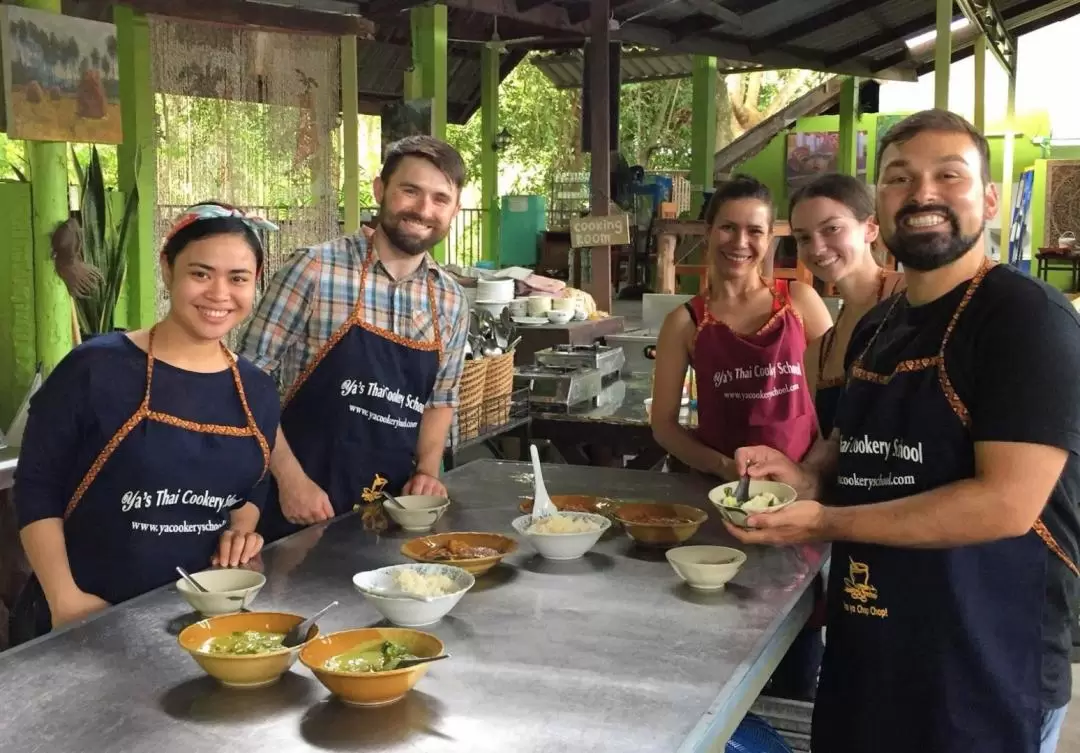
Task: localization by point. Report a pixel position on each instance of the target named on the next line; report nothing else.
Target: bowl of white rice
(444, 585)
(564, 535)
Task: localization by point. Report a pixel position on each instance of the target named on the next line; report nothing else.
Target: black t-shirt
(1014, 360)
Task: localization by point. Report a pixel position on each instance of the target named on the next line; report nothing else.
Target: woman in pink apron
(745, 337)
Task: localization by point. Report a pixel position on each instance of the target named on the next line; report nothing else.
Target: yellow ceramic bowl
(420, 550)
(644, 522)
(243, 671)
(369, 688)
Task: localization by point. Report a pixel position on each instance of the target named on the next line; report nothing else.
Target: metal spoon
(417, 661)
(298, 634)
(742, 491)
(388, 497)
(191, 581)
(390, 594)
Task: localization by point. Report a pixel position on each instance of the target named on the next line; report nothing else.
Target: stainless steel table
(607, 653)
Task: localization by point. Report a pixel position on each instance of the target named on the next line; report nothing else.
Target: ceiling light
(921, 39)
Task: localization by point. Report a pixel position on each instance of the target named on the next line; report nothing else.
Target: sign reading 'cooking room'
(613, 230)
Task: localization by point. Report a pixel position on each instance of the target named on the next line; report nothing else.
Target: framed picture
(811, 154)
(61, 78)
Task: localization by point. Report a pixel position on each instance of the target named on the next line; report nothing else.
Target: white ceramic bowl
(519, 307)
(559, 317)
(563, 546)
(420, 513)
(738, 517)
(230, 590)
(495, 308)
(410, 612)
(563, 304)
(706, 568)
(538, 305)
(496, 290)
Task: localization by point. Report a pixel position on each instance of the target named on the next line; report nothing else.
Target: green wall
(18, 336)
(768, 165)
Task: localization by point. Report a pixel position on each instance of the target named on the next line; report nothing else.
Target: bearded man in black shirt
(951, 483)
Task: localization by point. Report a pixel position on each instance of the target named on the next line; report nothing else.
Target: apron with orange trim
(353, 416)
(929, 650)
(158, 495)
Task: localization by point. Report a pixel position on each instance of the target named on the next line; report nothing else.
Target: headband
(217, 211)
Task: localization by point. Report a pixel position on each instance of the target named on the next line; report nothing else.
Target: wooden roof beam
(259, 16)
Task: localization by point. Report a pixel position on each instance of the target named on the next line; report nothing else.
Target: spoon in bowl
(419, 660)
(542, 504)
(742, 491)
(298, 634)
(191, 581)
(388, 497)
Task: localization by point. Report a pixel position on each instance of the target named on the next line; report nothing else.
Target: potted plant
(90, 251)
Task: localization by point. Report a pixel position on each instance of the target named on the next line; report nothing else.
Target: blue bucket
(755, 735)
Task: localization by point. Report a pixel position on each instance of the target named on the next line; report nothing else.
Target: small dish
(229, 590)
(421, 549)
(559, 316)
(563, 546)
(529, 321)
(706, 568)
(736, 515)
(410, 612)
(421, 511)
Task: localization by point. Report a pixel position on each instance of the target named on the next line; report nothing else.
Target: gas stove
(606, 359)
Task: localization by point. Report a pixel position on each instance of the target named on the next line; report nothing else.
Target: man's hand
(767, 463)
(303, 502)
(422, 483)
(236, 548)
(74, 605)
(798, 523)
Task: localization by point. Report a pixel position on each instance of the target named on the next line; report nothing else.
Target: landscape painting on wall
(811, 154)
(60, 77)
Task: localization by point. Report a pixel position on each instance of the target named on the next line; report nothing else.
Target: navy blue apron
(928, 650)
(353, 416)
(158, 495)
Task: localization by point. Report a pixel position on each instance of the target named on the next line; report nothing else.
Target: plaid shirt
(313, 294)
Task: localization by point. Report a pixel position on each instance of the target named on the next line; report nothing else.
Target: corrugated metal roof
(565, 69)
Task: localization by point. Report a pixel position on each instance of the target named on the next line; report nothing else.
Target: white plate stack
(494, 294)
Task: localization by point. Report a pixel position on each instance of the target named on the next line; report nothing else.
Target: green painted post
(49, 185)
(18, 339)
(489, 158)
(428, 80)
(136, 162)
(943, 53)
(703, 130)
(979, 116)
(849, 126)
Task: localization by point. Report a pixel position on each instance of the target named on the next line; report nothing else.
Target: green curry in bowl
(245, 643)
(380, 656)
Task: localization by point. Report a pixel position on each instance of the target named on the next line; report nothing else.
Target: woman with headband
(147, 450)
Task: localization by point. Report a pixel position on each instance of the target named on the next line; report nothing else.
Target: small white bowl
(559, 317)
(230, 590)
(411, 612)
(563, 546)
(421, 511)
(706, 568)
(738, 517)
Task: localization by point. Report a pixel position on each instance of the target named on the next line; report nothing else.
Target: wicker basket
(498, 385)
(471, 397)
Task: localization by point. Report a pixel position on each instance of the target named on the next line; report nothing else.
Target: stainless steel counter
(9, 458)
(607, 653)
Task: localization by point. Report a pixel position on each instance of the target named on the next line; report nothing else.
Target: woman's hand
(75, 605)
(236, 548)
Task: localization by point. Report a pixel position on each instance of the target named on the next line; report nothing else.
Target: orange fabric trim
(144, 413)
(1048, 538)
(777, 315)
(357, 319)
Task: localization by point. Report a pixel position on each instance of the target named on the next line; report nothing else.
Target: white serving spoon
(542, 504)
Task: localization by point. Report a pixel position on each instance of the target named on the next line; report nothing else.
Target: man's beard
(407, 243)
(925, 252)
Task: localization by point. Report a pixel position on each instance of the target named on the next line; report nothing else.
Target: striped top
(315, 291)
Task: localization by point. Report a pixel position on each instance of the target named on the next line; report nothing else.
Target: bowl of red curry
(658, 523)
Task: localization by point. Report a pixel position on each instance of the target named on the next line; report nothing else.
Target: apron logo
(857, 585)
